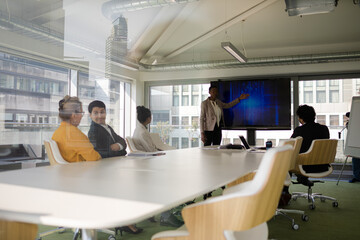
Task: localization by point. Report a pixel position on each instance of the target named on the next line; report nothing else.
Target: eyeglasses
(82, 113)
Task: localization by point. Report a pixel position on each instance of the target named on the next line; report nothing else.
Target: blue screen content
(267, 107)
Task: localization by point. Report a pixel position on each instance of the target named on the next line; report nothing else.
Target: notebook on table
(247, 146)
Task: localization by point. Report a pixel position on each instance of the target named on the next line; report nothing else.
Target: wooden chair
(10, 230)
(131, 144)
(243, 209)
(56, 158)
(159, 143)
(321, 151)
(296, 144)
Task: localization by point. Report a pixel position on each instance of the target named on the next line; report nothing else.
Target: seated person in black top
(310, 131)
(107, 143)
(102, 136)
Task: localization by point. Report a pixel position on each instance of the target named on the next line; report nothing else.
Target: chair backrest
(131, 144)
(296, 144)
(243, 209)
(53, 153)
(159, 143)
(321, 151)
(10, 230)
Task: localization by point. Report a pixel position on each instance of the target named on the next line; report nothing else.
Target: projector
(307, 7)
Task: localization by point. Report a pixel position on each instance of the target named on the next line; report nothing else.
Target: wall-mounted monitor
(268, 107)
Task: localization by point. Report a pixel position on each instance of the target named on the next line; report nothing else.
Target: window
(321, 91)
(321, 119)
(195, 121)
(195, 95)
(185, 121)
(175, 121)
(334, 91)
(160, 116)
(31, 90)
(185, 100)
(185, 95)
(175, 142)
(195, 100)
(357, 86)
(334, 120)
(184, 142)
(176, 94)
(195, 142)
(308, 92)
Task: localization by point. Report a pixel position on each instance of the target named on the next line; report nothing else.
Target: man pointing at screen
(211, 116)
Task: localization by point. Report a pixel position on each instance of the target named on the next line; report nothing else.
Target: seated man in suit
(106, 142)
(102, 136)
(310, 131)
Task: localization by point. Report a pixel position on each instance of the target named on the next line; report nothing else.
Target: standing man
(211, 116)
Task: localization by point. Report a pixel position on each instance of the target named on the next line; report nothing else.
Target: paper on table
(145, 154)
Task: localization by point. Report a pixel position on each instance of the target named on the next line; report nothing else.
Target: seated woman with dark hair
(141, 137)
(74, 145)
(101, 135)
(144, 142)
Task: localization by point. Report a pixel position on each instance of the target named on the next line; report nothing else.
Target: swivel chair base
(283, 212)
(312, 196)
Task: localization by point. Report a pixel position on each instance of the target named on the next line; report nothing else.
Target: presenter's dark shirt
(101, 140)
(310, 132)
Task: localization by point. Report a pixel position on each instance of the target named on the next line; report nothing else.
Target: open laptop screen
(244, 142)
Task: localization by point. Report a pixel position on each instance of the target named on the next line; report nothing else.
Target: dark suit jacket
(310, 132)
(101, 140)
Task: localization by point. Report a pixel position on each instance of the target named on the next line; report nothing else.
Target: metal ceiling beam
(185, 12)
(257, 62)
(240, 17)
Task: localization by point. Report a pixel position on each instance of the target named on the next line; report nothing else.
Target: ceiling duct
(307, 7)
(113, 9)
(257, 62)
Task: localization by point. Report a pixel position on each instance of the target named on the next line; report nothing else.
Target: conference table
(118, 191)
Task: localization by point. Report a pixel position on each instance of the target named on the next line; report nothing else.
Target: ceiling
(181, 35)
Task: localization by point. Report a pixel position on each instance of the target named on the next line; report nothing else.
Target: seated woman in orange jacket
(74, 145)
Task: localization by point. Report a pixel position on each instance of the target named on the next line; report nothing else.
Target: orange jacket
(74, 145)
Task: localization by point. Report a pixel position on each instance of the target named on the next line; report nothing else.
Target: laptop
(247, 146)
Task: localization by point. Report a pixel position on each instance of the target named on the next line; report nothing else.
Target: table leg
(88, 234)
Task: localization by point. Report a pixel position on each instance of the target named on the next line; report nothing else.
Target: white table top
(117, 191)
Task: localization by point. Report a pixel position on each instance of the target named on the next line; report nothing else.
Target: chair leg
(342, 169)
(56, 230)
(283, 212)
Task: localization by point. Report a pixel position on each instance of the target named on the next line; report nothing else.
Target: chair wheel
(111, 237)
(295, 226)
(335, 204)
(312, 206)
(305, 218)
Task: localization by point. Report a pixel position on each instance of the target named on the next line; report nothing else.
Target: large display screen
(268, 106)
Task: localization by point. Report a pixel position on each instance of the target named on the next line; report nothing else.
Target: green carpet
(325, 222)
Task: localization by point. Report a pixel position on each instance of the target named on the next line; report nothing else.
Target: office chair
(159, 143)
(296, 144)
(243, 210)
(131, 144)
(321, 151)
(55, 158)
(10, 230)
